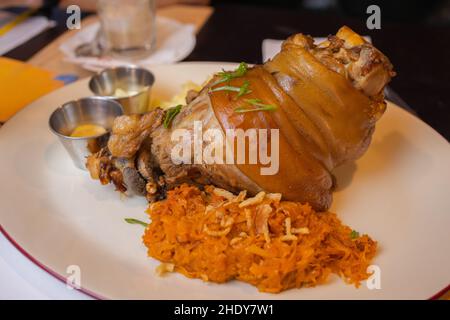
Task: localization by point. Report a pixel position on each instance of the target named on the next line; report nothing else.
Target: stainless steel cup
(127, 79)
(94, 110)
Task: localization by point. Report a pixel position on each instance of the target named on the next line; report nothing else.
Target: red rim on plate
(45, 268)
(99, 297)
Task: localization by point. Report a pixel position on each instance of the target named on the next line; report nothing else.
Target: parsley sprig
(170, 115)
(258, 106)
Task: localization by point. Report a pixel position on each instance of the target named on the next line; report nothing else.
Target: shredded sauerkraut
(274, 245)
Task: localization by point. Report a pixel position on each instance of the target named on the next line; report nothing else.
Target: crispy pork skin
(325, 100)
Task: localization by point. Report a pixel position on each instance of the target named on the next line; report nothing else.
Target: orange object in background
(21, 84)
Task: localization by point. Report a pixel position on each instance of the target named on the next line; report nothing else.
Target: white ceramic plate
(398, 193)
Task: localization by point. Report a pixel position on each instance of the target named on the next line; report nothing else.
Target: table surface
(51, 58)
(235, 33)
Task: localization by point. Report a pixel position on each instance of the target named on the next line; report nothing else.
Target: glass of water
(128, 27)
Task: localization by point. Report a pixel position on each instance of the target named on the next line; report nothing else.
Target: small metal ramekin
(127, 79)
(93, 110)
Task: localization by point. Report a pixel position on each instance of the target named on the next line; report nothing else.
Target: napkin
(174, 42)
(270, 47)
(21, 84)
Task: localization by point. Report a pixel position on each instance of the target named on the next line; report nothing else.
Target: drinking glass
(128, 27)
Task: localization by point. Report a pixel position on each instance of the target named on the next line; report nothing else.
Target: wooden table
(52, 59)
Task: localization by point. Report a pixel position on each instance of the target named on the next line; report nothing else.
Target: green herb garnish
(226, 76)
(136, 221)
(170, 115)
(256, 103)
(242, 90)
(226, 88)
(354, 234)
